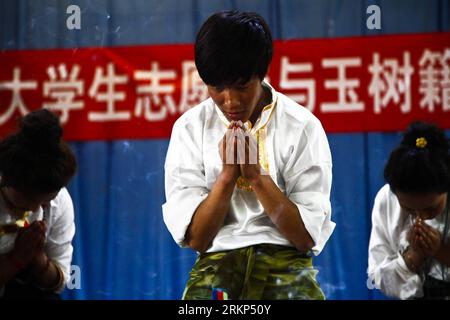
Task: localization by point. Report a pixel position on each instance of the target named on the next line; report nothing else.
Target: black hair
(35, 159)
(421, 163)
(232, 47)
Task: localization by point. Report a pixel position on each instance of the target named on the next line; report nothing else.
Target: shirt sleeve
(61, 232)
(185, 183)
(387, 269)
(307, 177)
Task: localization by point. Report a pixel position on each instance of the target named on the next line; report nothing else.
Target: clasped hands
(29, 246)
(239, 153)
(424, 241)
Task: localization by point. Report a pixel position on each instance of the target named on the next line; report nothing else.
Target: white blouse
(390, 226)
(293, 149)
(60, 230)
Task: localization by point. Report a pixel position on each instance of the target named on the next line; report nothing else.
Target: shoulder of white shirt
(63, 195)
(386, 194)
(198, 113)
(295, 113)
(388, 203)
(60, 201)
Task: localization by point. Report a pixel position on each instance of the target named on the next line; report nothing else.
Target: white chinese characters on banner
(429, 79)
(154, 92)
(16, 86)
(390, 81)
(110, 96)
(345, 87)
(63, 87)
(435, 79)
(307, 100)
(445, 80)
(157, 88)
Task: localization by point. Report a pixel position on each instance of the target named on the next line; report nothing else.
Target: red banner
(352, 84)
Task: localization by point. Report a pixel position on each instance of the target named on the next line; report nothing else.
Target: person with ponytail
(409, 250)
(36, 211)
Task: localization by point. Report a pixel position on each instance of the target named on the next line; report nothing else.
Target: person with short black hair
(247, 174)
(409, 253)
(36, 211)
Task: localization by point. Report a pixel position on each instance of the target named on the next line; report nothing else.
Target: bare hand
(429, 239)
(249, 160)
(228, 154)
(413, 240)
(28, 242)
(39, 261)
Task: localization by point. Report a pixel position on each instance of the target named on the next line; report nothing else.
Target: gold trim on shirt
(13, 227)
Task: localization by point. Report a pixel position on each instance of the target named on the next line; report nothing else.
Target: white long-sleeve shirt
(293, 149)
(390, 226)
(59, 217)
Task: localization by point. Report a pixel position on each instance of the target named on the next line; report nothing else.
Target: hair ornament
(421, 142)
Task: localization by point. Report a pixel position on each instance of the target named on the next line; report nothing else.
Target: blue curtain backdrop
(122, 246)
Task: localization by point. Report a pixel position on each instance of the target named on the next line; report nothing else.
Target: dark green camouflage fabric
(265, 271)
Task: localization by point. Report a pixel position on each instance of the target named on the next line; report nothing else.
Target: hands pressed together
(29, 247)
(424, 241)
(239, 154)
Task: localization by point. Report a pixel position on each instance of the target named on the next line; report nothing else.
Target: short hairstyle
(415, 168)
(35, 159)
(232, 47)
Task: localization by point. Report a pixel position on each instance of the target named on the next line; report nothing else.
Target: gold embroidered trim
(261, 136)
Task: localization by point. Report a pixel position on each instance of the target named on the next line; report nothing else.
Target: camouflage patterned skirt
(257, 272)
